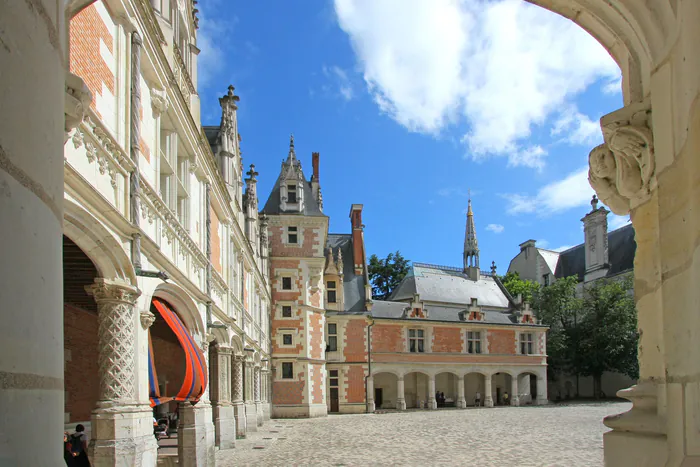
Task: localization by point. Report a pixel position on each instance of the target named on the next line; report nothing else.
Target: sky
(414, 105)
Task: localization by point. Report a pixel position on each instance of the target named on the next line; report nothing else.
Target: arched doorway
(501, 387)
(416, 389)
(446, 386)
(474, 385)
(386, 391)
(527, 388)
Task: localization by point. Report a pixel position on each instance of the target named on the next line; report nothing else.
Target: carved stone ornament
(77, 100)
(159, 102)
(147, 319)
(622, 171)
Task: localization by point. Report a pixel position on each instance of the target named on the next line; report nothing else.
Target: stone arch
(219, 335)
(478, 371)
(385, 386)
(73, 7)
(237, 345)
(183, 305)
(635, 35)
(103, 249)
(396, 373)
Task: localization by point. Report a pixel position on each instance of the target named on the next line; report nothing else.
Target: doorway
(335, 406)
(378, 397)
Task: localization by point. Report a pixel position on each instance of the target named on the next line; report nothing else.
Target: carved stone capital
(159, 102)
(147, 319)
(77, 100)
(622, 170)
(104, 290)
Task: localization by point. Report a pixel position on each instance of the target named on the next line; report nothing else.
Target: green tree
(559, 307)
(385, 274)
(517, 286)
(609, 331)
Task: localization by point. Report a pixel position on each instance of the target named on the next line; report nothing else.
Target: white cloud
(615, 222)
(542, 243)
(613, 86)
(495, 228)
(577, 128)
(571, 192)
(212, 58)
(341, 79)
(532, 157)
(563, 248)
(503, 66)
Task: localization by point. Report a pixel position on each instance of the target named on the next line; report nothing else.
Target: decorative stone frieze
(115, 305)
(622, 170)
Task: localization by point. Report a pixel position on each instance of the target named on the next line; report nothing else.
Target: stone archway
(386, 390)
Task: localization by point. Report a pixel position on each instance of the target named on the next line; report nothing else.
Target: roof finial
(469, 203)
(230, 90)
(594, 202)
(493, 268)
(291, 141)
(292, 154)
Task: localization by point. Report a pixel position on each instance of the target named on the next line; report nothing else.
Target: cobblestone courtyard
(565, 436)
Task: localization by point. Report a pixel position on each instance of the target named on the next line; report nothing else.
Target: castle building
(603, 255)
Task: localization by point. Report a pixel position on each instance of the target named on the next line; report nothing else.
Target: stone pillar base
(625, 449)
(461, 403)
(515, 401)
(239, 415)
(196, 436)
(259, 413)
(251, 417)
(541, 401)
(122, 435)
(266, 411)
(432, 404)
(224, 426)
(370, 406)
(401, 404)
(488, 401)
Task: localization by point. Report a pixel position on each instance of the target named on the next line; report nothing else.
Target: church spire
(471, 246)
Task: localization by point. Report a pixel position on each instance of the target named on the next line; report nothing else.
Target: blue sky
(414, 103)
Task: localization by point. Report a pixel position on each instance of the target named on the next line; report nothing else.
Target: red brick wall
(87, 29)
(387, 338)
(355, 378)
(317, 335)
(355, 349)
(317, 384)
(289, 392)
(447, 339)
(82, 382)
(215, 241)
(309, 247)
(501, 341)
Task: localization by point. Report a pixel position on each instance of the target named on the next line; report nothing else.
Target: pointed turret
(471, 245)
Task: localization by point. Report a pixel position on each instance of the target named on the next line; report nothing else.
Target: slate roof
(212, 133)
(449, 285)
(621, 249)
(353, 285)
(311, 207)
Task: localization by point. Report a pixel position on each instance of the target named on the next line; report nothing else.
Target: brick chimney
(315, 180)
(358, 241)
(314, 162)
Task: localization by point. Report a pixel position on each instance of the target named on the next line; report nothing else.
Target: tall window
(545, 279)
(286, 311)
(526, 340)
(330, 286)
(415, 340)
(291, 193)
(287, 370)
(332, 337)
(286, 283)
(333, 378)
(174, 176)
(292, 235)
(286, 339)
(473, 341)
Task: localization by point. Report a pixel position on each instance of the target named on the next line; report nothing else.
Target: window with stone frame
(332, 337)
(473, 341)
(287, 370)
(545, 279)
(526, 343)
(292, 236)
(331, 292)
(287, 339)
(333, 383)
(416, 340)
(291, 194)
(286, 283)
(286, 311)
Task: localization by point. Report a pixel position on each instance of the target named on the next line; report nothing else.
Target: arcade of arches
(649, 166)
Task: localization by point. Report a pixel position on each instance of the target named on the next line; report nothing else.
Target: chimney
(358, 242)
(314, 163)
(595, 231)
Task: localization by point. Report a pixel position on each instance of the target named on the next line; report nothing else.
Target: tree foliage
(385, 274)
(517, 286)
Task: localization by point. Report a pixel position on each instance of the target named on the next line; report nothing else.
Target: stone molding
(116, 341)
(643, 416)
(622, 170)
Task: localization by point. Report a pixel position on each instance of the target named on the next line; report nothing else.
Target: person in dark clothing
(79, 445)
(67, 456)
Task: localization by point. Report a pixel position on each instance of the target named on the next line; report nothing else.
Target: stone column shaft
(370, 394)
(432, 403)
(237, 395)
(488, 396)
(541, 391)
(461, 401)
(514, 397)
(224, 419)
(400, 396)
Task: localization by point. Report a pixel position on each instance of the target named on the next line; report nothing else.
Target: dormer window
(292, 235)
(291, 194)
(331, 287)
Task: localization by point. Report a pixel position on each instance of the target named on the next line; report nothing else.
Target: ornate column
(256, 391)
(400, 396)
(514, 397)
(121, 426)
(488, 396)
(251, 412)
(432, 403)
(237, 395)
(220, 378)
(370, 394)
(461, 401)
(265, 378)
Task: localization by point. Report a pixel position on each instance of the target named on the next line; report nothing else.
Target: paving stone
(555, 435)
